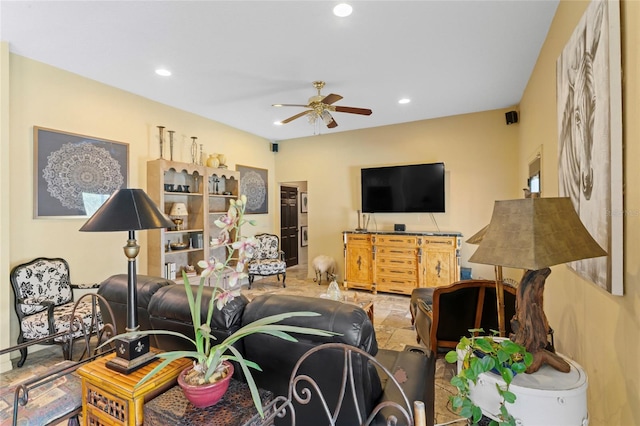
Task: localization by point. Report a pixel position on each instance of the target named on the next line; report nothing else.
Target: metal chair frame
(21, 395)
(402, 413)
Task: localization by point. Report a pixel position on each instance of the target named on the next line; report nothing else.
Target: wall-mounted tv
(415, 188)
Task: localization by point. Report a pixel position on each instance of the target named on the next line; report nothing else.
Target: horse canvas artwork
(590, 137)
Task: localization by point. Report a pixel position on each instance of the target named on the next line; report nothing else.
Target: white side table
(547, 397)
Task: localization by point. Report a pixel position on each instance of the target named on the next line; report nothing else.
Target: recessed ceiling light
(163, 72)
(404, 101)
(342, 10)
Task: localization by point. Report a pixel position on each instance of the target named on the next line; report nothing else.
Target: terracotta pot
(203, 396)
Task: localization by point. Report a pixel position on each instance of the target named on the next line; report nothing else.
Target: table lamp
(178, 210)
(534, 234)
(129, 210)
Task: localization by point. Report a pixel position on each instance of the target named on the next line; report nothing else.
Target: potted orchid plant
(211, 366)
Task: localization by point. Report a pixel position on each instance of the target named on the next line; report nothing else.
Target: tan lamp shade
(478, 236)
(178, 209)
(535, 233)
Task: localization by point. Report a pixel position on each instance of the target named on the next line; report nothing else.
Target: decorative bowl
(178, 246)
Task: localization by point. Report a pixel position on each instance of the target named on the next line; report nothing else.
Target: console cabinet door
(358, 261)
(440, 261)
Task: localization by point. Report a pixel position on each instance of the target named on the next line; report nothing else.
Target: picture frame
(590, 146)
(254, 184)
(304, 203)
(75, 174)
(304, 236)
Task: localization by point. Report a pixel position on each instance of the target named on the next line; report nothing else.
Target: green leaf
(509, 397)
(456, 402)
(477, 414)
(507, 375)
(451, 357)
(487, 363)
(518, 367)
(510, 347)
(528, 359)
(485, 345)
(503, 356)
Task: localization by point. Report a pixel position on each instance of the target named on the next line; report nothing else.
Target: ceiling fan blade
(331, 98)
(295, 105)
(332, 123)
(352, 110)
(285, 121)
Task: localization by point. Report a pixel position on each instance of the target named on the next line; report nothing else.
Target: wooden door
(289, 224)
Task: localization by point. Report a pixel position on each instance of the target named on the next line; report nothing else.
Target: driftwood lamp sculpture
(534, 234)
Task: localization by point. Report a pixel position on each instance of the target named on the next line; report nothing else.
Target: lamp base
(131, 354)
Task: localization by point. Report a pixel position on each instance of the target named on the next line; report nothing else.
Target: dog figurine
(324, 265)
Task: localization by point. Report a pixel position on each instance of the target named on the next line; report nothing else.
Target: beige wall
(480, 156)
(5, 302)
(49, 97)
(596, 329)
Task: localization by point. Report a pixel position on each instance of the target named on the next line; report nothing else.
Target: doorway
(289, 224)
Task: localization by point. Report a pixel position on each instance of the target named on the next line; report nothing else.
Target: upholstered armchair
(44, 304)
(267, 259)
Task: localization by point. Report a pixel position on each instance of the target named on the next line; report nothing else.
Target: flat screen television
(415, 188)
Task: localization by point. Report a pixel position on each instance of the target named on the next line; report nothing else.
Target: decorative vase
(213, 161)
(206, 395)
(223, 159)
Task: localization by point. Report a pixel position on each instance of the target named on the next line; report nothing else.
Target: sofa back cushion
(277, 357)
(169, 310)
(114, 289)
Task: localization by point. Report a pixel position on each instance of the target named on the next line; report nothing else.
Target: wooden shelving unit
(209, 192)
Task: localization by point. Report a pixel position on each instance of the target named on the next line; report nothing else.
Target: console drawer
(395, 251)
(395, 240)
(397, 262)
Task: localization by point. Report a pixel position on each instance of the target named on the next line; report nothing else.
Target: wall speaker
(399, 227)
(274, 147)
(511, 116)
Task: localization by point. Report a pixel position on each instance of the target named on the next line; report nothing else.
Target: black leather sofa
(168, 309)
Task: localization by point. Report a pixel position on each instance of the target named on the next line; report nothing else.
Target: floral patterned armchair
(44, 304)
(267, 259)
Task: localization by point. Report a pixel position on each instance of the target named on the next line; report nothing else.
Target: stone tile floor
(392, 323)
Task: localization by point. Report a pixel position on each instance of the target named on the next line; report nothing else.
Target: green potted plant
(481, 354)
(211, 367)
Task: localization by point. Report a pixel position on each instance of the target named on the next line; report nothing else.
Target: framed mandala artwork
(253, 184)
(75, 174)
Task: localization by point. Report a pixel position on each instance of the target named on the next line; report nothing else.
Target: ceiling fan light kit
(320, 108)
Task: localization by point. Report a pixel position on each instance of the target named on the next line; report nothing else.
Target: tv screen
(416, 188)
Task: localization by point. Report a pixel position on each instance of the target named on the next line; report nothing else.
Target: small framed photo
(304, 204)
(304, 236)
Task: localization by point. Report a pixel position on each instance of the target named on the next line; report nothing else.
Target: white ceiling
(231, 60)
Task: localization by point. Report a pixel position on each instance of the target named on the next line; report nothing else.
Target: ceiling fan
(321, 106)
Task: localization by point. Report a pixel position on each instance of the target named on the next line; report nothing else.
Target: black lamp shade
(127, 210)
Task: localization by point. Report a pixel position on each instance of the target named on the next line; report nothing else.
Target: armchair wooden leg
(23, 352)
(251, 277)
(284, 277)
